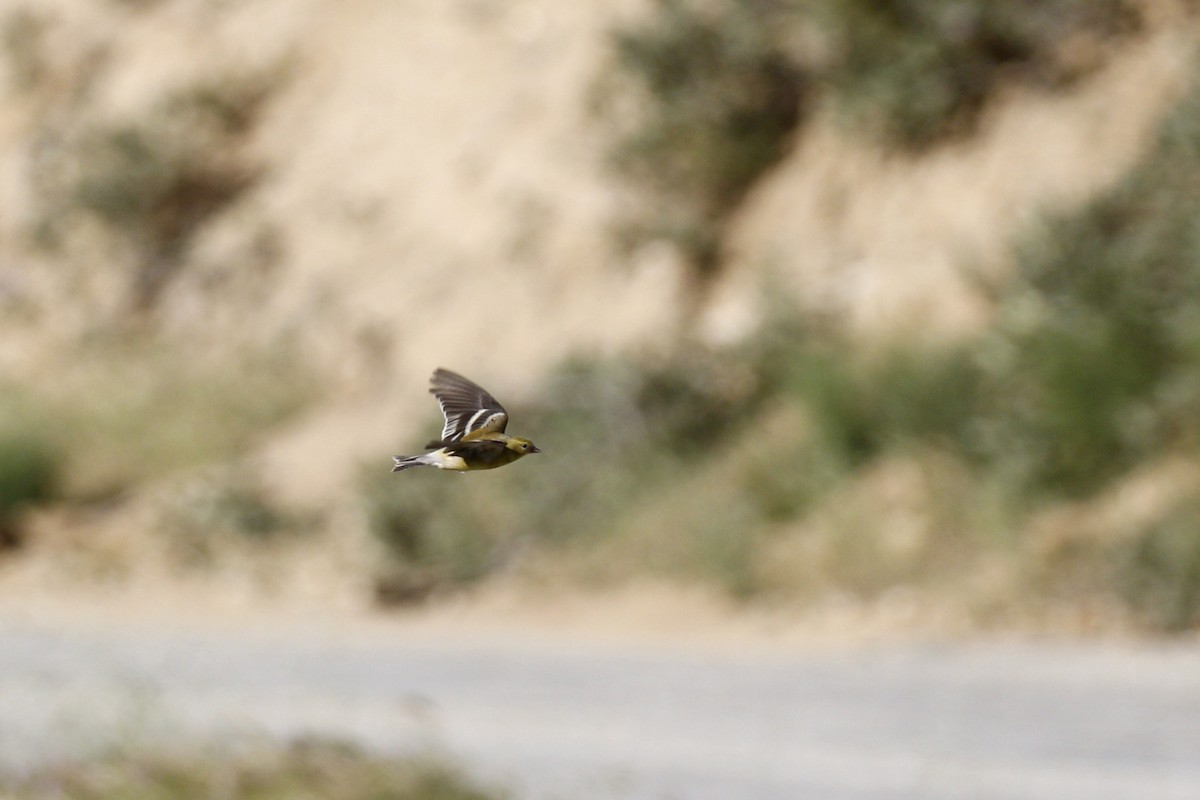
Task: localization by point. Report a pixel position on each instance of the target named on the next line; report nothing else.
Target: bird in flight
(473, 436)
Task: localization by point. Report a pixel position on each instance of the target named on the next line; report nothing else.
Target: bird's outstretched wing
(467, 407)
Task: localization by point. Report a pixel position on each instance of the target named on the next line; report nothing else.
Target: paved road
(919, 722)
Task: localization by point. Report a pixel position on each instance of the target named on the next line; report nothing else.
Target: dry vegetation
(247, 771)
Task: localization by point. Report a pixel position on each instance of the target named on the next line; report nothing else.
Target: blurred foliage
(715, 95)
(153, 181)
(30, 473)
(182, 414)
(1158, 570)
(1095, 363)
(231, 504)
(432, 539)
(23, 40)
(682, 466)
(634, 426)
(138, 5)
(864, 403)
(912, 72)
(702, 96)
(125, 411)
(29, 467)
(304, 770)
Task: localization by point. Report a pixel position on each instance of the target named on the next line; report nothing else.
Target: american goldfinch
(473, 436)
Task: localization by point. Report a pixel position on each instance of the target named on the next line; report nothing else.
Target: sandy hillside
(431, 190)
(891, 242)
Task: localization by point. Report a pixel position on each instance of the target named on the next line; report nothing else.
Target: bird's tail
(406, 462)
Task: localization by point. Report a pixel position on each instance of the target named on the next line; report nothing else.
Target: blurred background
(836, 320)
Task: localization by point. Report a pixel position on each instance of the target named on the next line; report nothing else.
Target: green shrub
(1095, 363)
(1158, 571)
(29, 470)
(30, 473)
(862, 402)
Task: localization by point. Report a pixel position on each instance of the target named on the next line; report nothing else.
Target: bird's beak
(533, 448)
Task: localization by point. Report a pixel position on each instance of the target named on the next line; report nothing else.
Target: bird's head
(522, 446)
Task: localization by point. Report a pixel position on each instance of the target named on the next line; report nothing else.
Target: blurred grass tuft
(304, 770)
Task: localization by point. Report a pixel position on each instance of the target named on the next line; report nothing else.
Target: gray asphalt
(1040, 721)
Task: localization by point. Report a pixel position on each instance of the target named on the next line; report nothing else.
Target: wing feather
(466, 406)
